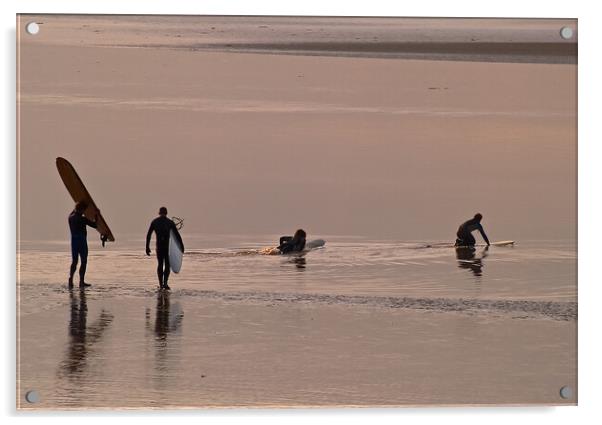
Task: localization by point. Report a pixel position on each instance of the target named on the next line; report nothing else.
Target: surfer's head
(81, 206)
(299, 234)
(478, 216)
(162, 211)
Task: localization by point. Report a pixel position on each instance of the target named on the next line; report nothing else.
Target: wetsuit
(79, 242)
(289, 244)
(161, 226)
(465, 230)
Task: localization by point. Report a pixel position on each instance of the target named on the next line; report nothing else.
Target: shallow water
(346, 270)
(357, 322)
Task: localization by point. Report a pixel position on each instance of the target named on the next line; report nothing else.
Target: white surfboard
(175, 253)
(502, 243)
(316, 243)
(499, 243)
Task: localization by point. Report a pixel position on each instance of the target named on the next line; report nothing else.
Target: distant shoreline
(536, 52)
(475, 40)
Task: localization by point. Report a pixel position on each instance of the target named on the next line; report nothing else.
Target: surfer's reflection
(467, 259)
(299, 262)
(82, 337)
(168, 320)
(164, 321)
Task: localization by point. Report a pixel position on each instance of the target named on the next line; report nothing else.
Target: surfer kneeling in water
(465, 230)
(79, 242)
(162, 226)
(294, 243)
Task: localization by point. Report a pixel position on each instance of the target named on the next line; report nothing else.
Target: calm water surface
(216, 339)
(530, 270)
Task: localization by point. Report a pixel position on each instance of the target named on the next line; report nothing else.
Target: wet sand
(170, 350)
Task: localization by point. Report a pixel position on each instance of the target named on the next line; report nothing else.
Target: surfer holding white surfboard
(164, 228)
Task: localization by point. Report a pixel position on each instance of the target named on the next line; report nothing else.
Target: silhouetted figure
(465, 230)
(467, 259)
(294, 243)
(79, 242)
(162, 226)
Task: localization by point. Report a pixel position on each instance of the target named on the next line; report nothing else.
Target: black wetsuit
(79, 242)
(465, 230)
(289, 244)
(161, 226)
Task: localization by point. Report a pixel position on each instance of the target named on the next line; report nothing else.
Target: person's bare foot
(84, 285)
(70, 283)
(166, 286)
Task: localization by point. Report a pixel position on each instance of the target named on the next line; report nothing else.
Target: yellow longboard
(79, 193)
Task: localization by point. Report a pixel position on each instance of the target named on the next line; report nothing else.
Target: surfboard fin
(103, 239)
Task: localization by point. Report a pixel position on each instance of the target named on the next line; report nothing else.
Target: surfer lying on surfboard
(294, 243)
(162, 226)
(465, 230)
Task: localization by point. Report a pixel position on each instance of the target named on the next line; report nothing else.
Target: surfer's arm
(180, 241)
(148, 238)
(90, 223)
(284, 239)
(484, 235)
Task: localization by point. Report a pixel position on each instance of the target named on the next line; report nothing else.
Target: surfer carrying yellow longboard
(79, 241)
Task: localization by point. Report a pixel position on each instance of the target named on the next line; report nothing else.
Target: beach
(397, 325)
(169, 350)
(248, 129)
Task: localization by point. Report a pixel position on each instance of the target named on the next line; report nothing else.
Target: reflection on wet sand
(82, 337)
(168, 321)
(164, 323)
(467, 259)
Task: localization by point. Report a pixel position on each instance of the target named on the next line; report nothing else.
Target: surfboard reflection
(468, 260)
(82, 338)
